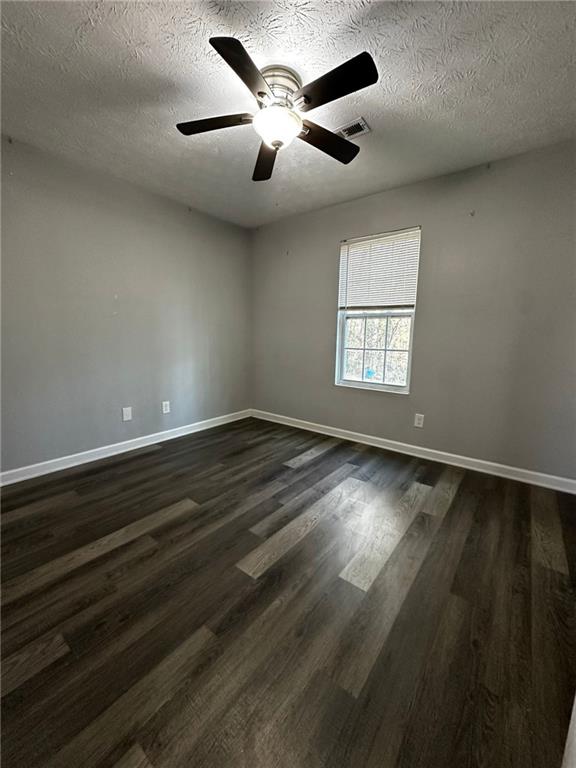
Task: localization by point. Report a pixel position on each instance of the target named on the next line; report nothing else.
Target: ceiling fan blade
(328, 142)
(353, 75)
(236, 56)
(264, 163)
(214, 123)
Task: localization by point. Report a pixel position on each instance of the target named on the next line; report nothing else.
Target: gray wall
(112, 297)
(494, 362)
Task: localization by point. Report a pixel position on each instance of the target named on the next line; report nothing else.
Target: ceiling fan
(281, 100)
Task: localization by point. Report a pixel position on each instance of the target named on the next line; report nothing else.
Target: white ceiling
(104, 84)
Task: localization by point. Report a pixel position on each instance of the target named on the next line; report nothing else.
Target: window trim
(343, 314)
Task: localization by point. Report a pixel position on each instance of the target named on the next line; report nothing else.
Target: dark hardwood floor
(256, 596)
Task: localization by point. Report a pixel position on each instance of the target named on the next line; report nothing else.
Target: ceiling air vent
(354, 128)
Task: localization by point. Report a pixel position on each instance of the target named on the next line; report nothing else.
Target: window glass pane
(374, 366)
(399, 332)
(354, 332)
(376, 333)
(353, 364)
(396, 368)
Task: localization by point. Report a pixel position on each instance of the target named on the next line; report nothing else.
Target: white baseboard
(75, 459)
(565, 484)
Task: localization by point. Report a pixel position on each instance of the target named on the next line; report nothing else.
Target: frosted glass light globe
(277, 125)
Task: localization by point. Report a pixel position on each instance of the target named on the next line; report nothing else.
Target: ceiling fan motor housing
(283, 82)
(277, 121)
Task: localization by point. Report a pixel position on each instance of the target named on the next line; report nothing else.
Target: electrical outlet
(127, 413)
(165, 406)
(418, 419)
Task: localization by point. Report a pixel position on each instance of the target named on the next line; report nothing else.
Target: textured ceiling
(104, 83)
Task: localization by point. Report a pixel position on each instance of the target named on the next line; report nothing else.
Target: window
(376, 305)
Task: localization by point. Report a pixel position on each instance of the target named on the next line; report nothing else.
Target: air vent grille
(354, 128)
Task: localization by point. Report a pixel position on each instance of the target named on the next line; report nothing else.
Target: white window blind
(380, 271)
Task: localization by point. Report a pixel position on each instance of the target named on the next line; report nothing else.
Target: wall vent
(354, 128)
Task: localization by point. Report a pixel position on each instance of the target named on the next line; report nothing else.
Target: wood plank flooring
(256, 596)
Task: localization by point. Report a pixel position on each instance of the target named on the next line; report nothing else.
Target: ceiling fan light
(277, 125)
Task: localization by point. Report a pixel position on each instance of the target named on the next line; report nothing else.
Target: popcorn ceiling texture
(104, 84)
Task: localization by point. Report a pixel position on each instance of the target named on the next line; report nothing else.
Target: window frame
(343, 315)
(390, 311)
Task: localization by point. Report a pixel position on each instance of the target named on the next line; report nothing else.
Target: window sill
(374, 387)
